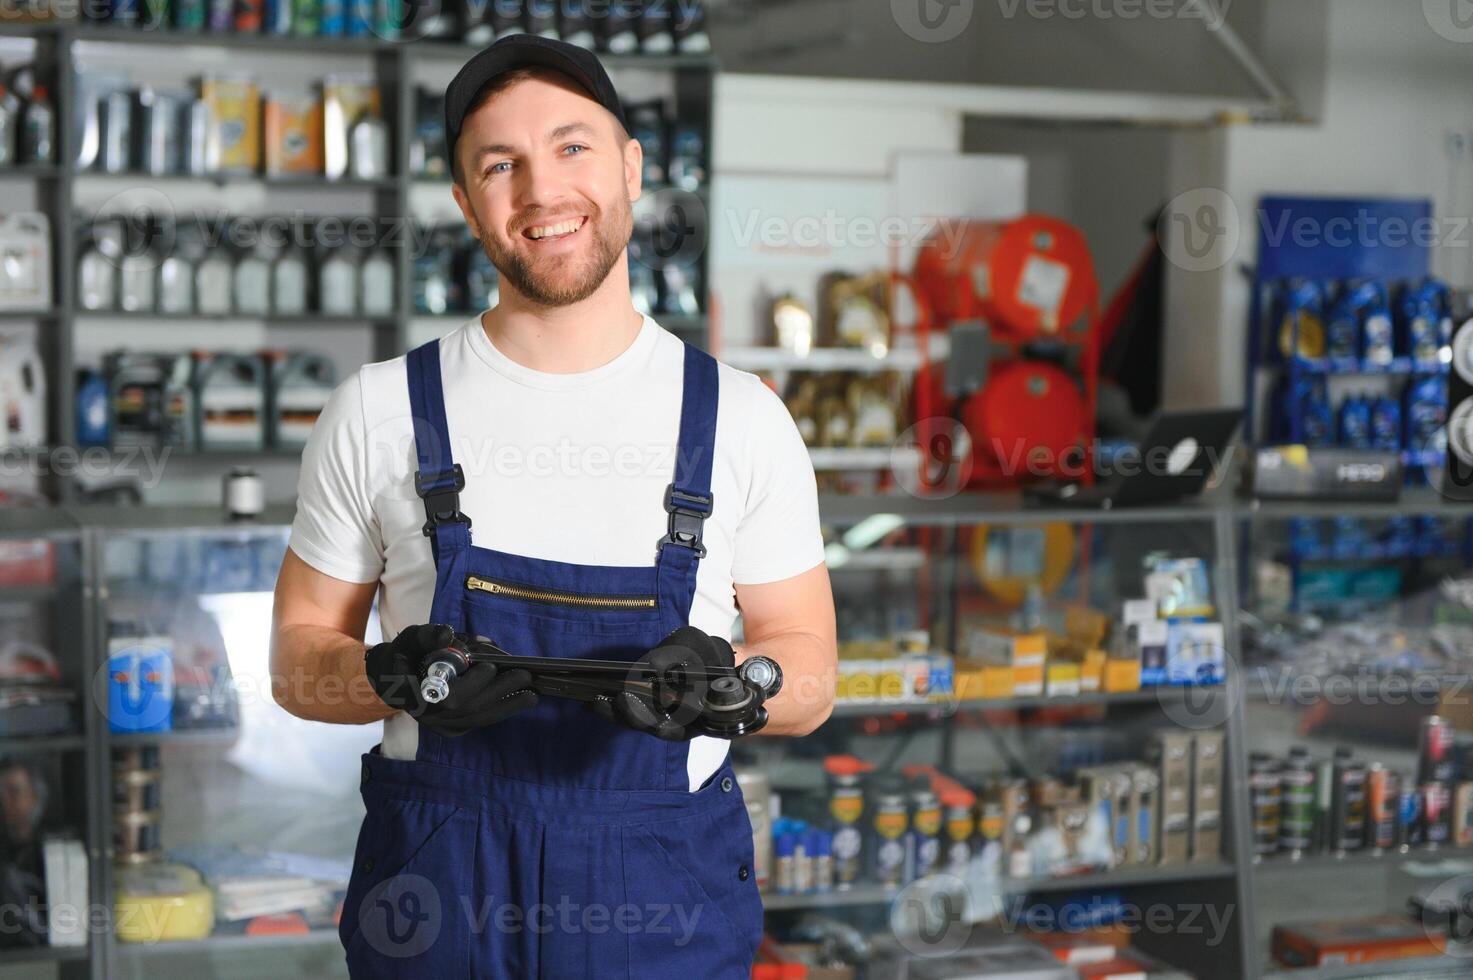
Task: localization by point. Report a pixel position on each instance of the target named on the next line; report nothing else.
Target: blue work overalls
(554, 844)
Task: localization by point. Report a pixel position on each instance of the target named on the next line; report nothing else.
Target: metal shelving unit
(1230, 881)
(1115, 878)
(394, 65)
(1224, 883)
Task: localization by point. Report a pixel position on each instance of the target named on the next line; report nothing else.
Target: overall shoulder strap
(439, 479)
(688, 498)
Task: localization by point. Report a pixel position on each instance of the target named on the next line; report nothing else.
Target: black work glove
(479, 696)
(686, 645)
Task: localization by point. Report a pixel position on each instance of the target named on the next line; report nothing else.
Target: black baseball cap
(522, 51)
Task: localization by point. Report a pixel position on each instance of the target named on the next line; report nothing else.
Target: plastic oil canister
(300, 384)
(231, 396)
(152, 400)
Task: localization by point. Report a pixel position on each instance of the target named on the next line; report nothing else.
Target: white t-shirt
(565, 467)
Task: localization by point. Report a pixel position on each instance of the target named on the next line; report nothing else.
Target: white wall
(1394, 90)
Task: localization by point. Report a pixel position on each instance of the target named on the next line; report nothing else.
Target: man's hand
(686, 645)
(479, 696)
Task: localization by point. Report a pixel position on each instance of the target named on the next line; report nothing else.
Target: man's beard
(610, 238)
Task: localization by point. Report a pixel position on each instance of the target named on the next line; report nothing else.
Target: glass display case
(1357, 630)
(1007, 759)
(45, 727)
(1054, 730)
(200, 757)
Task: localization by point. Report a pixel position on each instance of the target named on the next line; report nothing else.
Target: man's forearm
(809, 665)
(317, 674)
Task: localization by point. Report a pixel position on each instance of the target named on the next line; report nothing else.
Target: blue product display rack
(1335, 240)
(1329, 239)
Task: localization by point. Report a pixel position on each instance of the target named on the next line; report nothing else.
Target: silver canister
(117, 131)
(368, 149)
(158, 132)
(194, 121)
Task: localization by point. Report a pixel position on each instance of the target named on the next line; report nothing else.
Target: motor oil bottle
(300, 384)
(230, 393)
(152, 399)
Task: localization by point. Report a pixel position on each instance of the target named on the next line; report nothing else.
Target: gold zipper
(477, 584)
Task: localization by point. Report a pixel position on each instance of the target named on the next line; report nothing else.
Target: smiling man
(629, 494)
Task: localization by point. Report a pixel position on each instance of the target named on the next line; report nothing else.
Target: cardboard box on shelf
(1171, 754)
(1089, 658)
(1121, 676)
(1142, 638)
(1207, 768)
(1024, 652)
(1349, 941)
(1195, 653)
(1061, 679)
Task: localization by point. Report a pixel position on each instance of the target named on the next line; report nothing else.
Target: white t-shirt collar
(639, 350)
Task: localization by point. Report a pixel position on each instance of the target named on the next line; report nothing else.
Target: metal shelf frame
(394, 65)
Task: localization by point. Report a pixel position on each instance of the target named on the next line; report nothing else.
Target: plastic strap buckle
(442, 500)
(688, 513)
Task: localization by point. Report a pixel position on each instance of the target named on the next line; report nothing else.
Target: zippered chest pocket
(585, 601)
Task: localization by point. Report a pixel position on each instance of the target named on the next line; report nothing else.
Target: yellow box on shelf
(976, 681)
(1061, 679)
(1122, 675)
(162, 903)
(1023, 652)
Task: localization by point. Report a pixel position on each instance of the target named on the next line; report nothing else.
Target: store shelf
(294, 44)
(1421, 968)
(27, 593)
(1144, 696)
(33, 744)
(878, 560)
(461, 52)
(1004, 508)
(28, 171)
(1413, 502)
(270, 319)
(864, 459)
(309, 182)
(820, 359)
(288, 43)
(41, 954)
(199, 736)
(1279, 685)
(1280, 864)
(1357, 367)
(231, 944)
(1115, 878)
